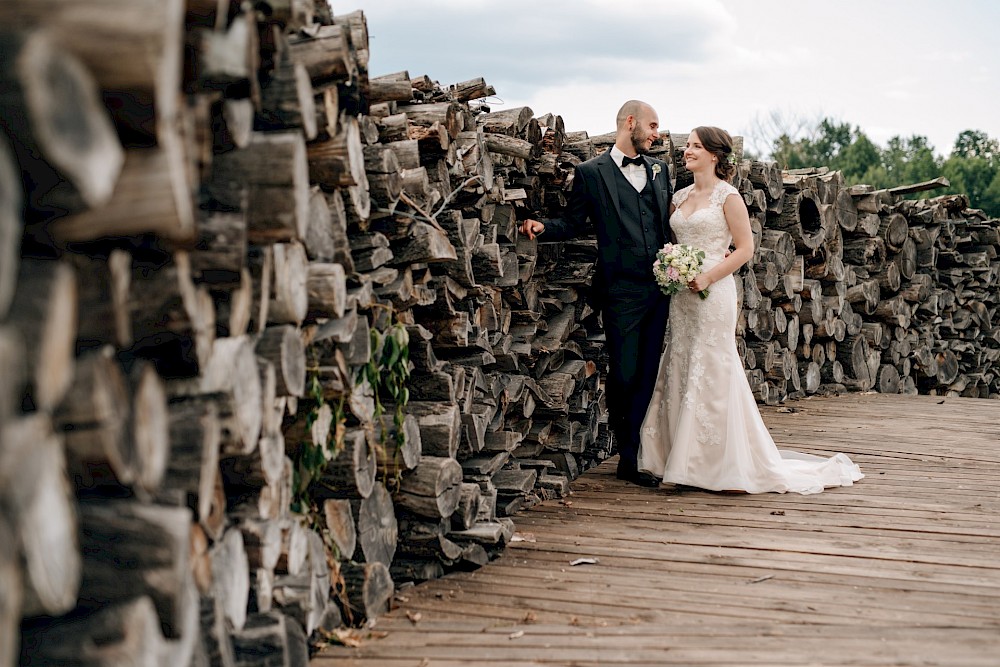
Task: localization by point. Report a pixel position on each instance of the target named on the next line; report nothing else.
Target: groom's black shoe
(635, 477)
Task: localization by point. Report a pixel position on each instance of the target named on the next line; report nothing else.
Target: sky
(753, 67)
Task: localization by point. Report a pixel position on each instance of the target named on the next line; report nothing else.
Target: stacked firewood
(854, 288)
(272, 343)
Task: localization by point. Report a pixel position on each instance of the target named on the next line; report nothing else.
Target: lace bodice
(706, 228)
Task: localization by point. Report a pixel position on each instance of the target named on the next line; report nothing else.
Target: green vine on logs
(312, 457)
(388, 372)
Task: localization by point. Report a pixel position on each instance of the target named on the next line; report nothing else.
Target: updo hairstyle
(718, 142)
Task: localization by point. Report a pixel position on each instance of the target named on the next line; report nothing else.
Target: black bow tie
(626, 161)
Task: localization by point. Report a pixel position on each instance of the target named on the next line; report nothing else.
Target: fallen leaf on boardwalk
(574, 621)
(523, 537)
(346, 637)
(402, 598)
(378, 634)
(567, 503)
(413, 616)
(517, 635)
(778, 513)
(760, 579)
(788, 410)
(530, 617)
(584, 561)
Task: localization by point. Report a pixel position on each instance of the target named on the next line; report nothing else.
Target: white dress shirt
(635, 174)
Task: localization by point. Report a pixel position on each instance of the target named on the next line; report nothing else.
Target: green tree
(971, 175)
(976, 144)
(910, 160)
(972, 167)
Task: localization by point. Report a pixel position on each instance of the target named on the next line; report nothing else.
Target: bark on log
(375, 519)
(326, 286)
(468, 507)
(395, 457)
(287, 99)
(906, 259)
(104, 441)
(440, 426)
(35, 495)
(43, 312)
(282, 345)
(153, 194)
(129, 634)
(289, 297)
(11, 227)
(853, 355)
(802, 219)
(846, 211)
(220, 251)
(385, 183)
(169, 312)
(340, 526)
(352, 473)
(154, 539)
(231, 577)
(369, 589)
(106, 35)
(511, 122)
(326, 54)
(233, 374)
(271, 175)
(382, 90)
(432, 489)
(444, 114)
(270, 639)
(893, 230)
(65, 143)
(304, 597)
(12, 360)
(215, 639)
(148, 428)
(339, 162)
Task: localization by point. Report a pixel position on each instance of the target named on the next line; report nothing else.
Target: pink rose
(673, 274)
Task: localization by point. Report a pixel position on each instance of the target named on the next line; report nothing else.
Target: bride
(703, 428)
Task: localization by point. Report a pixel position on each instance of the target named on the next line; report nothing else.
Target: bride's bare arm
(738, 219)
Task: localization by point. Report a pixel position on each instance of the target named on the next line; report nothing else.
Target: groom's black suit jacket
(621, 244)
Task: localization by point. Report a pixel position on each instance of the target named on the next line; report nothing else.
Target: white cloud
(899, 66)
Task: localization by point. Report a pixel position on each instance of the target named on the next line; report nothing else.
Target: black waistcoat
(640, 219)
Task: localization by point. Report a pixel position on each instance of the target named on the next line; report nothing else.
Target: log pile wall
(272, 344)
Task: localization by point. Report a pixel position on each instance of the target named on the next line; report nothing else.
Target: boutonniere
(656, 169)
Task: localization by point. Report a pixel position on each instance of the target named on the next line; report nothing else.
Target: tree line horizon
(972, 167)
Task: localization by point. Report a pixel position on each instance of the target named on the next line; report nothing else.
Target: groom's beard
(638, 140)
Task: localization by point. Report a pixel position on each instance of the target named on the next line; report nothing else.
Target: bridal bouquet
(676, 265)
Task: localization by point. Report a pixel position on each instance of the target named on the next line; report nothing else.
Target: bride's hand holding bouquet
(677, 266)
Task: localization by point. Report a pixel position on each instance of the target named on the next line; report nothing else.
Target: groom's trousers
(635, 320)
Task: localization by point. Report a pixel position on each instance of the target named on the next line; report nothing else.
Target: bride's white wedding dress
(703, 428)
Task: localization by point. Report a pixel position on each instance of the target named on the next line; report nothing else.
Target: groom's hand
(532, 228)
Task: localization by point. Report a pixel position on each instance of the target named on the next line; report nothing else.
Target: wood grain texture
(897, 569)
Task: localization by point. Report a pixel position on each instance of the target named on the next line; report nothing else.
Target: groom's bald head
(638, 128)
(634, 108)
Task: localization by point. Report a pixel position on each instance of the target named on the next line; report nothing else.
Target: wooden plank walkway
(903, 568)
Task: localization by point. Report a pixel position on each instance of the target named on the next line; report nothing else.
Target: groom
(624, 196)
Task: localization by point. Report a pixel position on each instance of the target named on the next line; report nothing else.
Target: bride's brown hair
(718, 142)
